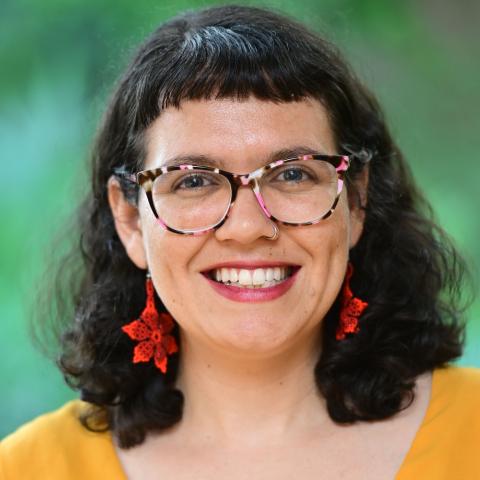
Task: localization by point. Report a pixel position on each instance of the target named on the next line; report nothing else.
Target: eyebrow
(205, 160)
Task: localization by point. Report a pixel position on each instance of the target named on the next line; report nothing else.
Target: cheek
(330, 240)
(169, 258)
(328, 247)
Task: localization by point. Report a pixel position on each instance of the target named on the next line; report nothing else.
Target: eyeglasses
(195, 199)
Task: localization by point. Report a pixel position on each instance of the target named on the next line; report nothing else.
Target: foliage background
(59, 59)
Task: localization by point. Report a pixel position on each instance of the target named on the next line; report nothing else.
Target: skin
(241, 360)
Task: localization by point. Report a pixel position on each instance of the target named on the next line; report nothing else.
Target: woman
(262, 292)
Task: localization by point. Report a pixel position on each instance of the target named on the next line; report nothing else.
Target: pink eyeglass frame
(145, 180)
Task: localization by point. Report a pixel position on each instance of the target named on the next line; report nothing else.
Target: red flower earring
(152, 330)
(352, 308)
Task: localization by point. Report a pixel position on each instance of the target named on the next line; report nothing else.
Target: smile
(247, 278)
(254, 283)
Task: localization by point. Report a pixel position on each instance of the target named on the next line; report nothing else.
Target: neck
(249, 398)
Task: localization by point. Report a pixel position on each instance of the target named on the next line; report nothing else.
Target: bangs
(217, 63)
(235, 61)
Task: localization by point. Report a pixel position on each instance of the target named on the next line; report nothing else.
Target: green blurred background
(59, 59)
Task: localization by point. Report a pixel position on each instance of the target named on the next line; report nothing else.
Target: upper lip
(250, 265)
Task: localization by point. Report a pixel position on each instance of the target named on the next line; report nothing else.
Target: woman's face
(241, 136)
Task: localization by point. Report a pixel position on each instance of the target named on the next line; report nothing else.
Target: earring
(351, 309)
(276, 232)
(152, 330)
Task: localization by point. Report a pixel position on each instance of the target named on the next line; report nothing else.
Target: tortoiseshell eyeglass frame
(145, 179)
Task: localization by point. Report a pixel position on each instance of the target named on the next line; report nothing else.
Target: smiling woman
(262, 293)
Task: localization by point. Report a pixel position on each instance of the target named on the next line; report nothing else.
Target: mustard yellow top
(55, 446)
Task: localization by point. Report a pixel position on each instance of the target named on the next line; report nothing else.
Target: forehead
(237, 135)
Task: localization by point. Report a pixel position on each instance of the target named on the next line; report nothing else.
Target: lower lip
(239, 294)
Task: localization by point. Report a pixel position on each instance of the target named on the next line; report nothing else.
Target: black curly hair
(405, 265)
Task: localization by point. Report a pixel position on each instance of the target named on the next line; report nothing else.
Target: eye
(194, 181)
(293, 174)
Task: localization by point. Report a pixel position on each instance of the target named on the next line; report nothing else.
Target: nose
(246, 219)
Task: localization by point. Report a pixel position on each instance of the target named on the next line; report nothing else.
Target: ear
(127, 223)
(358, 203)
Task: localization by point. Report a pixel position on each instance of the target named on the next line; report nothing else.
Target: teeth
(269, 275)
(251, 278)
(225, 275)
(258, 276)
(244, 277)
(277, 274)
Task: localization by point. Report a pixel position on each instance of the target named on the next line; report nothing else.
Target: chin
(257, 337)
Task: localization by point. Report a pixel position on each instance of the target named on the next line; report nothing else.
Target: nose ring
(275, 233)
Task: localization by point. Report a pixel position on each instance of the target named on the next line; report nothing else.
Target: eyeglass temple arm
(124, 175)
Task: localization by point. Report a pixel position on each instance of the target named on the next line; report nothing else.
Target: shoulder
(446, 445)
(65, 415)
(60, 423)
(454, 400)
(52, 446)
(456, 371)
(460, 383)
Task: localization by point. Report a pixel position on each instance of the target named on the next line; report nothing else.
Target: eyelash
(193, 175)
(294, 169)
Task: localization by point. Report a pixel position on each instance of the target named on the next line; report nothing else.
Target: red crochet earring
(351, 309)
(152, 330)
